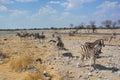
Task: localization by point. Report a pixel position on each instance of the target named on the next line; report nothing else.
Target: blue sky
(56, 13)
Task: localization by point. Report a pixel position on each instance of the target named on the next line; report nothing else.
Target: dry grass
(3, 55)
(34, 76)
(20, 62)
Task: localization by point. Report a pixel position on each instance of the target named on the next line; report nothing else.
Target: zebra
(100, 42)
(40, 37)
(21, 35)
(24, 35)
(60, 45)
(52, 42)
(113, 36)
(89, 52)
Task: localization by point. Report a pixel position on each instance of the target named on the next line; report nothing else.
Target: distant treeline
(107, 24)
(53, 28)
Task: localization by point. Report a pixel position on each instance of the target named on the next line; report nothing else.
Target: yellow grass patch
(34, 76)
(20, 62)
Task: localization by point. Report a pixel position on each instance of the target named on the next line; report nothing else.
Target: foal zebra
(91, 50)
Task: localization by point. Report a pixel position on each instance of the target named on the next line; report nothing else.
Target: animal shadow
(64, 49)
(68, 54)
(101, 67)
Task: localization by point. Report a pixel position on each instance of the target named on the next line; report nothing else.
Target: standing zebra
(91, 50)
(60, 45)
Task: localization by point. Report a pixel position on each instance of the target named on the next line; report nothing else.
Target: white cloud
(26, 0)
(54, 2)
(13, 13)
(74, 4)
(106, 7)
(6, 1)
(63, 16)
(17, 13)
(12, 1)
(45, 11)
(71, 4)
(3, 8)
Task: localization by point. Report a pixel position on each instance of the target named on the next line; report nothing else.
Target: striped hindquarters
(84, 52)
(87, 52)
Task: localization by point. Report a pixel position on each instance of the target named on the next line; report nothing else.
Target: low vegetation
(34, 76)
(20, 62)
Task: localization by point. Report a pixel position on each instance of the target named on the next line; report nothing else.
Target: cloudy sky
(55, 13)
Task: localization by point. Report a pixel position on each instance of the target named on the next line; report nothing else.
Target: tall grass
(34, 76)
(20, 62)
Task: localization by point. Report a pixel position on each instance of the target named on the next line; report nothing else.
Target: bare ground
(64, 67)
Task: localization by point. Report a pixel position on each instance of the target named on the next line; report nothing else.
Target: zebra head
(102, 42)
(99, 42)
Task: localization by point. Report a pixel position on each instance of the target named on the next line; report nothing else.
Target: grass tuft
(34, 76)
(19, 63)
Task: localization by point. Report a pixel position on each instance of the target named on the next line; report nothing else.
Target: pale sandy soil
(62, 67)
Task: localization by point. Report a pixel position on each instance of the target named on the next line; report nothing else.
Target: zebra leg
(91, 59)
(92, 63)
(42, 41)
(58, 52)
(110, 39)
(85, 57)
(94, 59)
(82, 59)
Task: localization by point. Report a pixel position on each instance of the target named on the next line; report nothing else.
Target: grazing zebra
(52, 42)
(40, 37)
(113, 36)
(21, 35)
(89, 52)
(24, 35)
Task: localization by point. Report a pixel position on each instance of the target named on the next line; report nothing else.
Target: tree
(81, 26)
(92, 25)
(118, 23)
(114, 24)
(107, 23)
(71, 25)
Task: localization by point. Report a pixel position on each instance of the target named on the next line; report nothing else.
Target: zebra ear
(102, 41)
